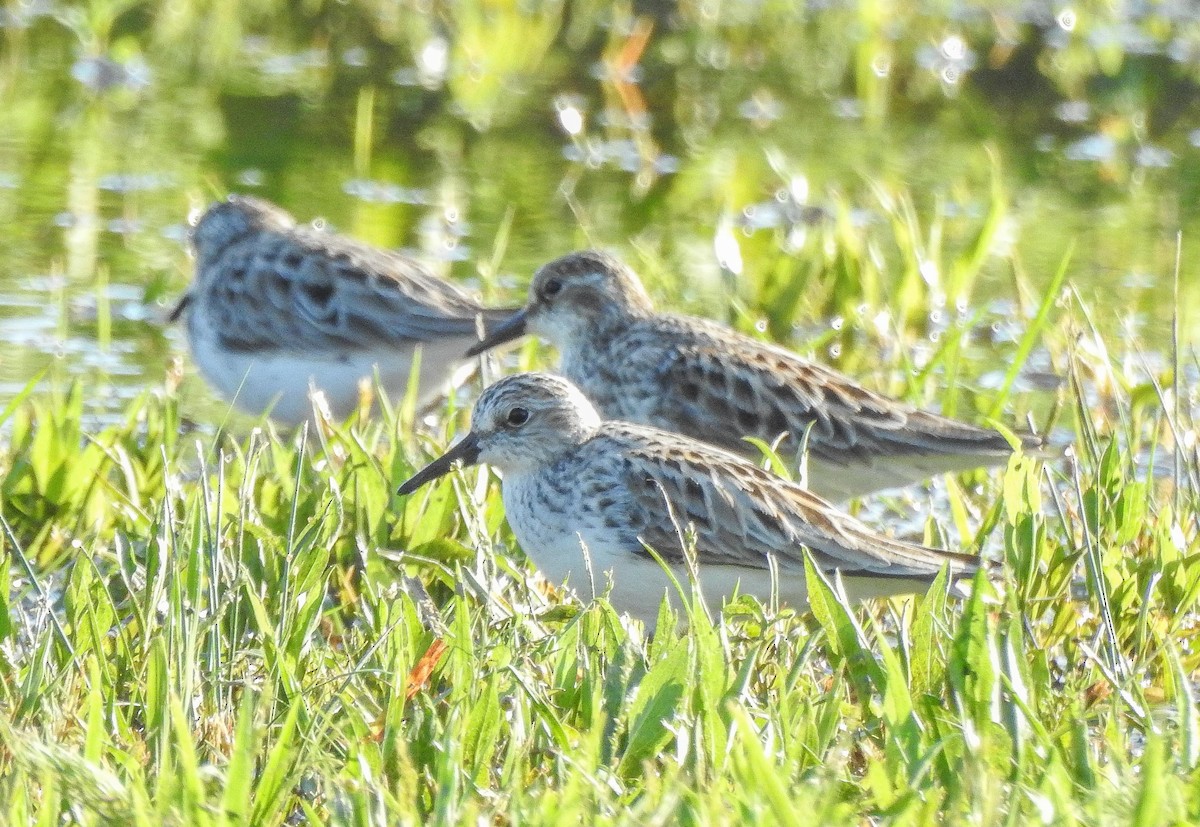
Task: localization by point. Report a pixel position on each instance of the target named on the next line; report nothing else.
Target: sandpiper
(587, 498)
(714, 384)
(276, 308)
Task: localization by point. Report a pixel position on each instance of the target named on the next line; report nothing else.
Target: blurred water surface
(839, 175)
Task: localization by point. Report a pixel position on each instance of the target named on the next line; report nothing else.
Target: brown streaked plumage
(709, 382)
(587, 497)
(276, 306)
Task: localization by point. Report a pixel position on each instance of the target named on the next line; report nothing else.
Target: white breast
(279, 380)
(569, 543)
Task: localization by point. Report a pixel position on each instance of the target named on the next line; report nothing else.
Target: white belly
(279, 381)
(570, 546)
(636, 583)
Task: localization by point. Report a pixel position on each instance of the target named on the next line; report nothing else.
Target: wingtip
(971, 564)
(1039, 446)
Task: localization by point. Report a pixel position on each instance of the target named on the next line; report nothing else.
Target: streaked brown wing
(748, 388)
(308, 291)
(743, 514)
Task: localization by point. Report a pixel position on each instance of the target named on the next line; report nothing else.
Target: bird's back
(714, 384)
(741, 514)
(296, 287)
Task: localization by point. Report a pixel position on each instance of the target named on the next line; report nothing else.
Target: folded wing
(742, 515)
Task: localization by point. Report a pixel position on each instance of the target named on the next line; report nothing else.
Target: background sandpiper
(276, 307)
(714, 384)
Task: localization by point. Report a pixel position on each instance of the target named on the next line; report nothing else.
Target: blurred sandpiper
(276, 308)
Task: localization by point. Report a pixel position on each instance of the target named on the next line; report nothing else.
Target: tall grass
(202, 627)
(239, 626)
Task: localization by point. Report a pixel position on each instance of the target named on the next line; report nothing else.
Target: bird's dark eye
(552, 288)
(518, 417)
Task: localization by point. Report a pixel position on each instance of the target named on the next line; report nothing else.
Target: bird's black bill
(509, 329)
(466, 450)
(179, 308)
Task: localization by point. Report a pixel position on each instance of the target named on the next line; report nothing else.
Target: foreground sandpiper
(709, 382)
(276, 308)
(585, 499)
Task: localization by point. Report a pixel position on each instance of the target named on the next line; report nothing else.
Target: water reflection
(764, 162)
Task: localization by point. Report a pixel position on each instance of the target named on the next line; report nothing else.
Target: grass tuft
(223, 627)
